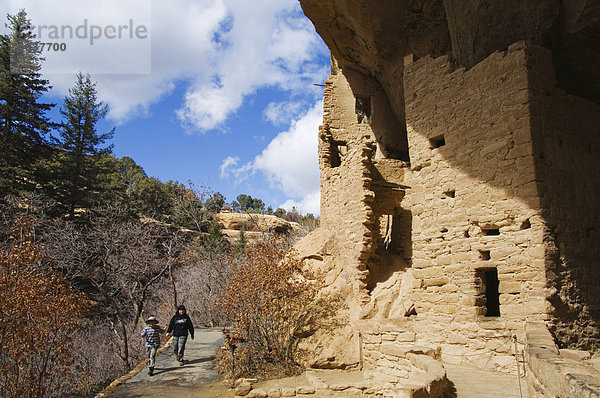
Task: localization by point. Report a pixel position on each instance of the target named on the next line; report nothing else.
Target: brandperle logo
(90, 32)
(98, 37)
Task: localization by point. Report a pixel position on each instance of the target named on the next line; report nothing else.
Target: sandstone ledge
(255, 222)
(428, 380)
(550, 374)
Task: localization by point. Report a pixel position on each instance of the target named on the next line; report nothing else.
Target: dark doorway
(489, 279)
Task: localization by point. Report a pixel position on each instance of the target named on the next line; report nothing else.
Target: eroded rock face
(459, 176)
(256, 223)
(372, 37)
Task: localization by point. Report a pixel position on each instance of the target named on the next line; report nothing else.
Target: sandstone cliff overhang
(459, 157)
(372, 37)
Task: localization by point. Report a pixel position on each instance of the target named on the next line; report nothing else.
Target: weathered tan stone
(274, 393)
(453, 354)
(257, 393)
(255, 222)
(305, 390)
(288, 392)
(388, 337)
(406, 337)
(509, 287)
(369, 338)
(243, 389)
(577, 355)
(435, 177)
(457, 338)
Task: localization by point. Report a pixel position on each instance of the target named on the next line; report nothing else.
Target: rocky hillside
(255, 224)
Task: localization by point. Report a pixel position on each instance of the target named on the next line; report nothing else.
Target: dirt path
(197, 378)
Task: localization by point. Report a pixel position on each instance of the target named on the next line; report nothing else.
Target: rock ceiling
(372, 36)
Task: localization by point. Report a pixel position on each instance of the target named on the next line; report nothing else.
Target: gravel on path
(172, 380)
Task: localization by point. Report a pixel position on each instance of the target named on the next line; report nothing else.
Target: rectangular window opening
(334, 157)
(337, 151)
(485, 255)
(363, 109)
(437, 142)
(450, 193)
(488, 278)
(491, 231)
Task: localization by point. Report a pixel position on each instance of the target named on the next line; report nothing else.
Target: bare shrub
(208, 264)
(96, 362)
(270, 300)
(117, 262)
(39, 310)
(117, 267)
(309, 223)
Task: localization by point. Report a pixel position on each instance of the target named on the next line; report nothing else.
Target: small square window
(484, 255)
(437, 142)
(450, 193)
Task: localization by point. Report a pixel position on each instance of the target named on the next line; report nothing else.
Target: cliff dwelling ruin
(460, 165)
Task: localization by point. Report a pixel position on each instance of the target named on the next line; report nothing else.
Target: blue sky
(229, 101)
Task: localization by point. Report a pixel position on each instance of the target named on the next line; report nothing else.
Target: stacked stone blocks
(458, 245)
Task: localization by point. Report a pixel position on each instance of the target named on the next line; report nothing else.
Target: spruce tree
(214, 243)
(215, 203)
(82, 166)
(23, 120)
(131, 178)
(242, 242)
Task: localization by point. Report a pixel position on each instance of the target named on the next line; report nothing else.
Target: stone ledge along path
(198, 378)
(172, 380)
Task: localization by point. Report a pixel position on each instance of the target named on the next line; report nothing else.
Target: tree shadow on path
(199, 360)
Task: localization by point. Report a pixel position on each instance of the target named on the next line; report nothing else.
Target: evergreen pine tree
(131, 178)
(214, 243)
(23, 120)
(242, 242)
(215, 203)
(82, 167)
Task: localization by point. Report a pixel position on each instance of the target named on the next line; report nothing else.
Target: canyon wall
(459, 179)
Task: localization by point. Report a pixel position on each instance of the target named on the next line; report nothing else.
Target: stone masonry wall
(567, 137)
(454, 245)
(558, 373)
(475, 205)
(357, 193)
(341, 246)
(344, 147)
(356, 189)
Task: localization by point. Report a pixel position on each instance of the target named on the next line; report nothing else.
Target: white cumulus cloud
(229, 163)
(290, 162)
(280, 113)
(229, 169)
(223, 50)
(268, 43)
(309, 204)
